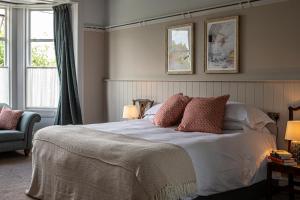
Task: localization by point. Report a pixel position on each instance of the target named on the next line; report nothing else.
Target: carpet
(15, 175)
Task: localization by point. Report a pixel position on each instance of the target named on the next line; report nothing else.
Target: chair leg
(26, 152)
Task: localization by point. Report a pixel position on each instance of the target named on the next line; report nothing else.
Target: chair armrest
(26, 123)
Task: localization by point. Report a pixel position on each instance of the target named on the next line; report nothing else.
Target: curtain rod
(178, 14)
(241, 3)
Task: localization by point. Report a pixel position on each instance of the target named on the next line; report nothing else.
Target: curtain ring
(241, 5)
(249, 3)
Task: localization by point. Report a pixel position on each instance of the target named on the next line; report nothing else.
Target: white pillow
(246, 114)
(150, 117)
(232, 125)
(153, 110)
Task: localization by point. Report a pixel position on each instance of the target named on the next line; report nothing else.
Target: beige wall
(94, 73)
(270, 49)
(269, 46)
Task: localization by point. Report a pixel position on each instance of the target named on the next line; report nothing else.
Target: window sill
(44, 112)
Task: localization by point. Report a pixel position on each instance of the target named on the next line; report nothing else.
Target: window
(42, 84)
(4, 65)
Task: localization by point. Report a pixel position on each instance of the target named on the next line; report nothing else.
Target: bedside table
(291, 171)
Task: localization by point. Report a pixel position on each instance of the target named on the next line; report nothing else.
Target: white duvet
(224, 162)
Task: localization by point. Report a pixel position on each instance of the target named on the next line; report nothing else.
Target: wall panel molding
(270, 96)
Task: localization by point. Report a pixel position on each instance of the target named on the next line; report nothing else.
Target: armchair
(20, 139)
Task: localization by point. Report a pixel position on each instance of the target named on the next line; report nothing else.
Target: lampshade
(293, 131)
(130, 112)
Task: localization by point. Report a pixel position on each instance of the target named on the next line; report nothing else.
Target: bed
(227, 169)
(221, 162)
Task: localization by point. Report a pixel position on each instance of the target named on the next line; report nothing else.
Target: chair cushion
(11, 135)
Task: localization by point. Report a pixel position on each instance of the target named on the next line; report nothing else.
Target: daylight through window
(42, 84)
(4, 66)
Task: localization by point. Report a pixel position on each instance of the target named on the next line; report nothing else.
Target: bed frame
(253, 192)
(256, 191)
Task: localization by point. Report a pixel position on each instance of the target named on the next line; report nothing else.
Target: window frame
(28, 57)
(7, 50)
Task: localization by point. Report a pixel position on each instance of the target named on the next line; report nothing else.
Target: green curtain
(68, 111)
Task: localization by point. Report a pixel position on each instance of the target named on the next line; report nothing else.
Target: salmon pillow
(204, 115)
(9, 118)
(170, 113)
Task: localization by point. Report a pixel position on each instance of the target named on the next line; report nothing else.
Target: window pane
(41, 25)
(4, 71)
(4, 85)
(42, 54)
(2, 53)
(42, 88)
(2, 23)
(42, 83)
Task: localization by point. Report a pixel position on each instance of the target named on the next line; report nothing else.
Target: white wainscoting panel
(270, 96)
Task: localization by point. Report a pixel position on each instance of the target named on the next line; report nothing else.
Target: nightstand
(291, 171)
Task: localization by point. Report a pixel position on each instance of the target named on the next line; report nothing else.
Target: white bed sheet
(222, 162)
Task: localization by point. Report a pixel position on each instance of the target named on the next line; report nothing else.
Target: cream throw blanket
(73, 162)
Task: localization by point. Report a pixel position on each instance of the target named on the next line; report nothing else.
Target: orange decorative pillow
(9, 118)
(171, 111)
(204, 115)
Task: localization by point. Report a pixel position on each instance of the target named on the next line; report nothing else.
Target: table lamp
(292, 134)
(130, 112)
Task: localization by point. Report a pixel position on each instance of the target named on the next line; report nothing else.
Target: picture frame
(180, 49)
(222, 45)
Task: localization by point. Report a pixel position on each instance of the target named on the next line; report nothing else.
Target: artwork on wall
(222, 45)
(180, 49)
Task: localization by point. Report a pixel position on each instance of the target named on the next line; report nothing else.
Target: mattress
(223, 162)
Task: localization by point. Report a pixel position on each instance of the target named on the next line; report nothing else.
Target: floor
(15, 174)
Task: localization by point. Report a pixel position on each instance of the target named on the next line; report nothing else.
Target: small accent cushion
(9, 118)
(171, 111)
(204, 115)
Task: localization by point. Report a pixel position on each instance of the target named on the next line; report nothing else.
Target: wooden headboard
(143, 104)
(273, 115)
(272, 127)
(292, 109)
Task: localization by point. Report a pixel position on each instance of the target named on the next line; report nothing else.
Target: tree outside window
(42, 83)
(2, 37)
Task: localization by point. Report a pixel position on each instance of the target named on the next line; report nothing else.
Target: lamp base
(295, 150)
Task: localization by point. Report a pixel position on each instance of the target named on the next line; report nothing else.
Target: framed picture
(180, 49)
(222, 45)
